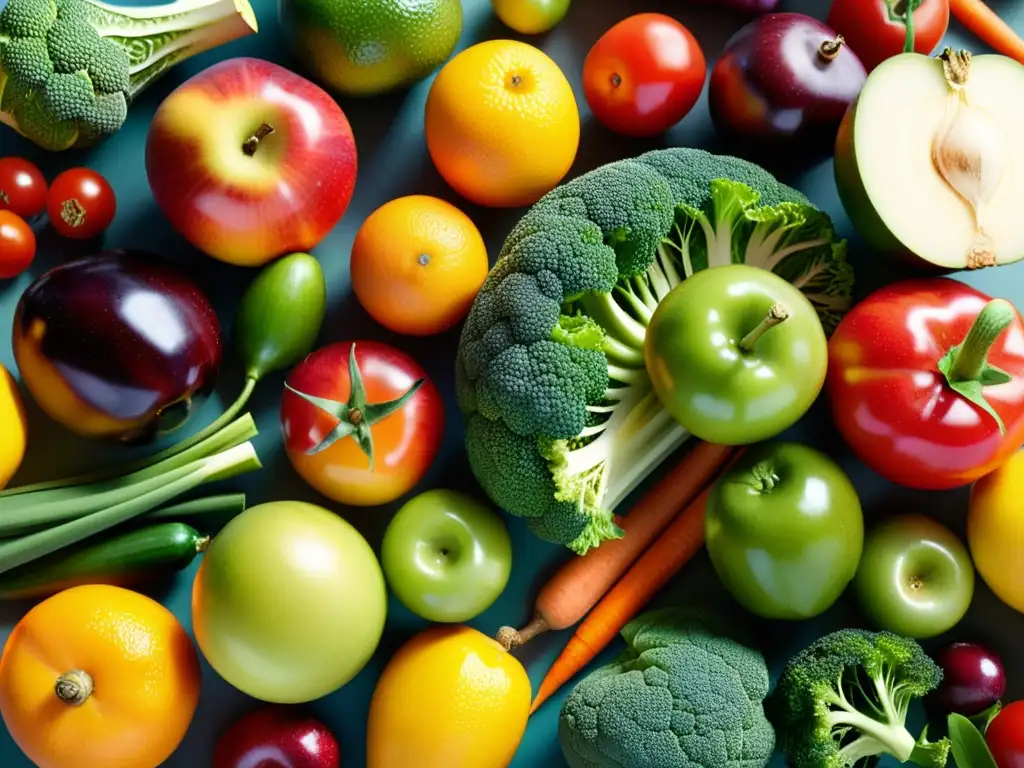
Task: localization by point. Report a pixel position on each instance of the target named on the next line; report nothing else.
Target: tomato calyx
(966, 366)
(73, 213)
(903, 12)
(356, 417)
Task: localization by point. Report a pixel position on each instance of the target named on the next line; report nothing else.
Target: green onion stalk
(277, 323)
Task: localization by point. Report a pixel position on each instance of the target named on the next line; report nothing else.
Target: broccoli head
(684, 693)
(70, 68)
(844, 700)
(563, 422)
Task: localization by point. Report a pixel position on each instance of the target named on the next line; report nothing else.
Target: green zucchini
(122, 560)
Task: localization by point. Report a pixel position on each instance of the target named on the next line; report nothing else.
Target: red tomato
(80, 204)
(22, 187)
(894, 406)
(330, 441)
(875, 33)
(1005, 736)
(644, 75)
(17, 244)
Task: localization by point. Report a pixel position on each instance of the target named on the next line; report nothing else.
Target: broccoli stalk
(70, 68)
(844, 701)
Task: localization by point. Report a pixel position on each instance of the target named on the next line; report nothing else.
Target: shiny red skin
(868, 30)
(22, 187)
(206, 191)
(91, 192)
(893, 406)
(644, 75)
(277, 737)
(771, 85)
(17, 245)
(1005, 736)
(405, 443)
(120, 345)
(973, 680)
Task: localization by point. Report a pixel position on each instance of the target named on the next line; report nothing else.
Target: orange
(449, 698)
(995, 530)
(502, 124)
(13, 427)
(98, 676)
(417, 264)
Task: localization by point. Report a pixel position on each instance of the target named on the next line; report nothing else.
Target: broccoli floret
(843, 702)
(682, 694)
(553, 347)
(69, 69)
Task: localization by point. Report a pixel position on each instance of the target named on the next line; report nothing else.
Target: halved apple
(930, 159)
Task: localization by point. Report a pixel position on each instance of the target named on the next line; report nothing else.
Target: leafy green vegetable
(70, 68)
(562, 422)
(843, 702)
(969, 747)
(683, 694)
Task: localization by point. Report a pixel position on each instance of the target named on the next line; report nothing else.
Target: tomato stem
(74, 687)
(970, 357)
(903, 11)
(776, 314)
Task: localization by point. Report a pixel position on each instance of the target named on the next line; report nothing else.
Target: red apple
(277, 737)
(250, 161)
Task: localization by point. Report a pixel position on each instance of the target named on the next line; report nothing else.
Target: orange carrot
(577, 585)
(666, 557)
(985, 23)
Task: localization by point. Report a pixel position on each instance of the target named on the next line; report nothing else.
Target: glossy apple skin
(120, 346)
(973, 680)
(772, 87)
(277, 737)
(446, 556)
(248, 209)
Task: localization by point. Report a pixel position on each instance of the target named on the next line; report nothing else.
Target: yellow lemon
(450, 698)
(995, 530)
(13, 427)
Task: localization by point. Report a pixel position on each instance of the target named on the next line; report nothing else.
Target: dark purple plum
(119, 346)
(784, 80)
(973, 680)
(747, 6)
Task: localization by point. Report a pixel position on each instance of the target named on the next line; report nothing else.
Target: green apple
(945, 188)
(446, 556)
(289, 602)
(784, 530)
(736, 354)
(915, 577)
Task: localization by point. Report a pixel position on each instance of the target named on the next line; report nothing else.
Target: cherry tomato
(644, 75)
(80, 204)
(875, 32)
(1005, 736)
(362, 445)
(22, 187)
(17, 244)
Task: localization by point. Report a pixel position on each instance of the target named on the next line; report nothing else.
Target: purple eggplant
(747, 6)
(784, 80)
(973, 680)
(120, 346)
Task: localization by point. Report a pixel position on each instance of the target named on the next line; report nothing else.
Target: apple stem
(509, 637)
(830, 49)
(956, 67)
(616, 80)
(776, 314)
(970, 357)
(74, 687)
(250, 145)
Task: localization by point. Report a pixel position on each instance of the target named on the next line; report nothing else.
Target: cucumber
(122, 560)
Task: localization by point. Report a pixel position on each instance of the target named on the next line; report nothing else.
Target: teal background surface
(394, 162)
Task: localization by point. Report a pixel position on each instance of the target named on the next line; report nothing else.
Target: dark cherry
(973, 680)
(121, 345)
(784, 79)
(277, 737)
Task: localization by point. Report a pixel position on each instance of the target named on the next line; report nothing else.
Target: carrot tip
(508, 638)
